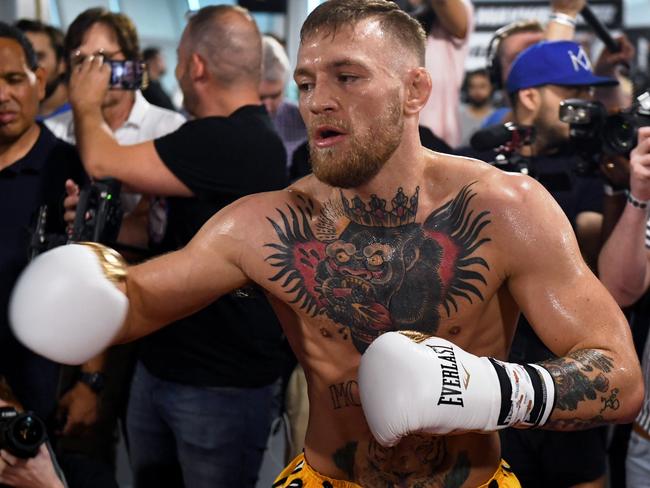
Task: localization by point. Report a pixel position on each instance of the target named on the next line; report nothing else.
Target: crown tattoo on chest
(373, 269)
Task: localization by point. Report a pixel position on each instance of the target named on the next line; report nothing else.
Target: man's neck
(404, 169)
(222, 103)
(51, 104)
(18, 149)
(116, 115)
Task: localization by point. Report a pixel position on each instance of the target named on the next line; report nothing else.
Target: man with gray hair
(202, 397)
(284, 114)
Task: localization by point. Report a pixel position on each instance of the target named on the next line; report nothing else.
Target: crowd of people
(347, 262)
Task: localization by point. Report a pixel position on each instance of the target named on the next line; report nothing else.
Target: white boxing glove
(65, 305)
(434, 386)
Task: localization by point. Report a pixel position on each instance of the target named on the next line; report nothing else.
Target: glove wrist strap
(527, 394)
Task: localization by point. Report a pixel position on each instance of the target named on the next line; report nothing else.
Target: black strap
(506, 391)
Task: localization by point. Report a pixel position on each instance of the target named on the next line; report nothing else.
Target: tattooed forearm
(575, 423)
(345, 394)
(583, 376)
(612, 402)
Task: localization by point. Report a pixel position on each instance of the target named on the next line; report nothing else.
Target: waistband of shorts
(503, 471)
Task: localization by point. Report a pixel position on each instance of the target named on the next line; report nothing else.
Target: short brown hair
(332, 15)
(227, 38)
(124, 28)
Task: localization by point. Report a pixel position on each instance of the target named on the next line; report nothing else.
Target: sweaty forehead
(366, 41)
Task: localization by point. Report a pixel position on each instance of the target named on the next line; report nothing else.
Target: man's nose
(322, 99)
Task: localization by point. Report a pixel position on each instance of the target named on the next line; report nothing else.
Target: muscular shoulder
(523, 215)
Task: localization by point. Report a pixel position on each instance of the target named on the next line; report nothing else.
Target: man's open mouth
(326, 136)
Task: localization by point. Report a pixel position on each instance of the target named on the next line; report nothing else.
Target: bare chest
(357, 269)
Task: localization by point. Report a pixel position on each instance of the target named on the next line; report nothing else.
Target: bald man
(191, 409)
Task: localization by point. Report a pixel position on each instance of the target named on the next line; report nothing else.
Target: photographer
(510, 40)
(540, 78)
(39, 471)
(624, 267)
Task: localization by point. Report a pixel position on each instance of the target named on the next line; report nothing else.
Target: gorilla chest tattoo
(373, 269)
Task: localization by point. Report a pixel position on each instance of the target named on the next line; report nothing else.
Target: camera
(127, 74)
(99, 213)
(98, 218)
(21, 434)
(506, 140)
(594, 133)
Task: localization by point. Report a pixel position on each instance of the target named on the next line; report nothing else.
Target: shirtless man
(386, 236)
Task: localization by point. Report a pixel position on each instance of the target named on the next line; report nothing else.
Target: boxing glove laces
(436, 387)
(65, 305)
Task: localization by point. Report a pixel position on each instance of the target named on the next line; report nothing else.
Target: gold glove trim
(113, 264)
(415, 336)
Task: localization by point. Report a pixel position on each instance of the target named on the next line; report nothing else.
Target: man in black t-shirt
(204, 388)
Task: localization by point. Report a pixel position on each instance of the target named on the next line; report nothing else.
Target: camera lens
(28, 430)
(620, 134)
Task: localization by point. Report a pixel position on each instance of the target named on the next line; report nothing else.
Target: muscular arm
(452, 16)
(597, 375)
(180, 283)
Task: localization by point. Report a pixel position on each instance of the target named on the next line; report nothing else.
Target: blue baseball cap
(553, 63)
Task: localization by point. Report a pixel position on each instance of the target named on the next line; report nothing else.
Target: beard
(550, 134)
(478, 102)
(367, 153)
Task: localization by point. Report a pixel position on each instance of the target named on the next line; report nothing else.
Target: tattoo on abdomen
(582, 376)
(417, 462)
(372, 269)
(344, 458)
(345, 394)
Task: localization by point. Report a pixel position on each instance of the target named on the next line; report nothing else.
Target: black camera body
(506, 140)
(99, 213)
(594, 133)
(21, 434)
(98, 218)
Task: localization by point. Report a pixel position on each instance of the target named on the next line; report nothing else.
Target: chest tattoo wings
(372, 269)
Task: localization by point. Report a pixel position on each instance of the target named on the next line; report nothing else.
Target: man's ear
(529, 99)
(418, 89)
(198, 68)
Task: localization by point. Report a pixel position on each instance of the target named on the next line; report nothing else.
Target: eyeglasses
(76, 58)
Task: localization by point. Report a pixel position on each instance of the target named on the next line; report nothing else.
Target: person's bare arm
(138, 165)
(597, 375)
(558, 30)
(624, 262)
(452, 17)
(180, 283)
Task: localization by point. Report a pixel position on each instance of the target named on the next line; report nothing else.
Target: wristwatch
(95, 381)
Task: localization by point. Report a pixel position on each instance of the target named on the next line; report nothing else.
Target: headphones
(493, 64)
